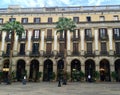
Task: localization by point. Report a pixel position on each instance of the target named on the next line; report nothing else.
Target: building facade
(94, 46)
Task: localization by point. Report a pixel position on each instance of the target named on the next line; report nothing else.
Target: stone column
(29, 41)
(68, 43)
(3, 42)
(41, 68)
(82, 41)
(42, 42)
(15, 45)
(96, 41)
(55, 43)
(27, 68)
(110, 36)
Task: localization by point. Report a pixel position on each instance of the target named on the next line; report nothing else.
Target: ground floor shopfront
(32, 66)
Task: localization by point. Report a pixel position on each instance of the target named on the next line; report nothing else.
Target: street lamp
(6, 69)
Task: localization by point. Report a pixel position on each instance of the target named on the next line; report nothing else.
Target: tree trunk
(65, 62)
(11, 53)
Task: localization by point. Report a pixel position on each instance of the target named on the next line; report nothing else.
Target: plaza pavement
(51, 88)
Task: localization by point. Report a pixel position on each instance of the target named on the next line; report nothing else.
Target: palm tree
(12, 27)
(64, 25)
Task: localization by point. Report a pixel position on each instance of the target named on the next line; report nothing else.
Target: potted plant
(96, 75)
(114, 75)
(52, 76)
(39, 75)
(81, 75)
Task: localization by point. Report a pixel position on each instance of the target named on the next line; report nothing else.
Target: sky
(56, 3)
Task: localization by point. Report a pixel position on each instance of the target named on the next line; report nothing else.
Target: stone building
(94, 46)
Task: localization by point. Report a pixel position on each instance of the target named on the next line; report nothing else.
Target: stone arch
(89, 69)
(60, 68)
(117, 69)
(48, 69)
(75, 67)
(6, 64)
(105, 70)
(20, 69)
(34, 70)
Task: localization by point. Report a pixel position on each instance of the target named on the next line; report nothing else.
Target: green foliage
(13, 26)
(39, 74)
(52, 75)
(114, 75)
(77, 75)
(64, 24)
(96, 74)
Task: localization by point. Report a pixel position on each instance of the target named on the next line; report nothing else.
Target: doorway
(48, 70)
(34, 70)
(20, 72)
(104, 70)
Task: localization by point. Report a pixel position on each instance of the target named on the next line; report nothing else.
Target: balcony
(60, 54)
(21, 54)
(22, 39)
(117, 53)
(104, 38)
(104, 53)
(61, 39)
(116, 38)
(35, 54)
(48, 54)
(74, 53)
(88, 38)
(49, 38)
(75, 38)
(89, 54)
(6, 54)
(7, 39)
(35, 38)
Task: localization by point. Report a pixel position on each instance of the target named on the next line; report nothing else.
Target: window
(61, 47)
(103, 32)
(102, 18)
(49, 33)
(88, 18)
(8, 36)
(49, 20)
(115, 18)
(76, 33)
(117, 47)
(116, 32)
(35, 48)
(89, 48)
(48, 48)
(8, 48)
(36, 20)
(88, 33)
(103, 48)
(24, 20)
(24, 35)
(75, 48)
(36, 33)
(22, 48)
(1, 20)
(61, 34)
(76, 19)
(12, 19)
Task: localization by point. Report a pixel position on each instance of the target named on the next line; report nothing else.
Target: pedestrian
(89, 78)
(24, 80)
